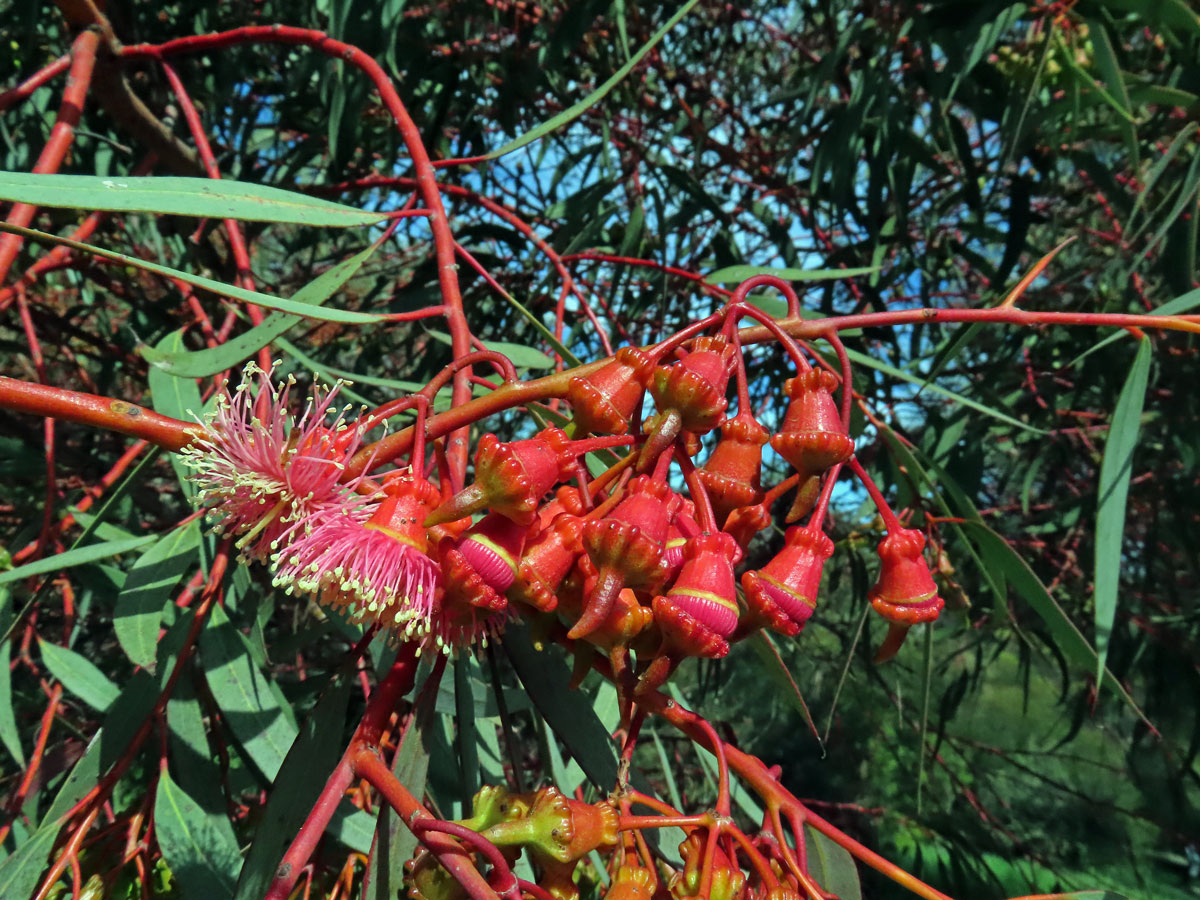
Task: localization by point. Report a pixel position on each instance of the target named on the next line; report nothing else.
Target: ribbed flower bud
(705, 588)
(811, 438)
(624, 549)
(728, 880)
(546, 562)
(479, 567)
(631, 883)
(784, 591)
(732, 473)
(511, 478)
(604, 401)
(695, 386)
(905, 593)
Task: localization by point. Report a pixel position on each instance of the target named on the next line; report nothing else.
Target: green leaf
(394, 843)
(138, 613)
(19, 873)
(77, 557)
(203, 855)
(520, 355)
(8, 721)
(575, 111)
(298, 784)
(738, 274)
(217, 287)
(831, 866)
(264, 728)
(202, 363)
(1115, 472)
(1068, 638)
(204, 198)
(79, 676)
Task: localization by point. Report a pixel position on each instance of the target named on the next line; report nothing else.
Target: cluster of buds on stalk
(639, 563)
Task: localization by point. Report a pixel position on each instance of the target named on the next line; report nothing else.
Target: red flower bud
(547, 561)
(731, 474)
(747, 521)
(905, 593)
(812, 438)
(481, 565)
(624, 549)
(605, 401)
(695, 386)
(784, 591)
(705, 588)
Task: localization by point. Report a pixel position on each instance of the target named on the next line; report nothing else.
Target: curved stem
(881, 504)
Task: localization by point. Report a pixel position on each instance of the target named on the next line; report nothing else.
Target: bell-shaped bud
(624, 549)
(558, 828)
(705, 588)
(606, 400)
(479, 567)
(683, 528)
(728, 880)
(632, 883)
(747, 521)
(695, 386)
(511, 478)
(811, 438)
(732, 473)
(546, 562)
(905, 593)
(784, 591)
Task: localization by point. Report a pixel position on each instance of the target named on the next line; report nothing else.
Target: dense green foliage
(943, 146)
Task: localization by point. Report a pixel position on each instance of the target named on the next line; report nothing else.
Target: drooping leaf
(263, 727)
(578, 109)
(236, 350)
(217, 287)
(203, 198)
(138, 613)
(201, 850)
(738, 274)
(79, 676)
(297, 785)
(8, 721)
(77, 557)
(1115, 472)
(831, 866)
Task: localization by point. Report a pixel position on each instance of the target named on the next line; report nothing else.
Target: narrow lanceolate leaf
(300, 779)
(208, 284)
(203, 855)
(831, 866)
(203, 198)
(8, 720)
(19, 873)
(264, 728)
(736, 274)
(1069, 639)
(148, 589)
(1115, 471)
(77, 557)
(202, 363)
(79, 676)
(577, 110)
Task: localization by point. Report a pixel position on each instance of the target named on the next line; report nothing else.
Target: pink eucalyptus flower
(266, 476)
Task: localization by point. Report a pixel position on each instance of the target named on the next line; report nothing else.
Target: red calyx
(547, 561)
(784, 591)
(480, 566)
(624, 549)
(606, 400)
(905, 593)
(732, 472)
(811, 438)
(695, 386)
(705, 588)
(406, 503)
